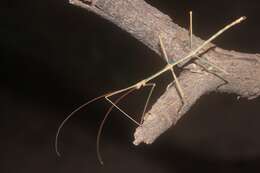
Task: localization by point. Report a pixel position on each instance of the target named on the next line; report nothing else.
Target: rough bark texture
(145, 23)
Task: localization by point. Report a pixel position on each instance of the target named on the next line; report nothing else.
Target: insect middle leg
(176, 81)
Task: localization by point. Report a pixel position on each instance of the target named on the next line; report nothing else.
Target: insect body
(146, 83)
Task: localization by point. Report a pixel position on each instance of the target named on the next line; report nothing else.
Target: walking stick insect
(147, 83)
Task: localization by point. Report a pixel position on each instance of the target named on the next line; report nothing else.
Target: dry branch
(145, 23)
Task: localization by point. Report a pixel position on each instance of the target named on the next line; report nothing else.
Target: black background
(54, 57)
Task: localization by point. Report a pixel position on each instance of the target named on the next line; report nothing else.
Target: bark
(145, 23)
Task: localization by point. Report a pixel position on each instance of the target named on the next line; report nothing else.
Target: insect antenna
(103, 122)
(69, 116)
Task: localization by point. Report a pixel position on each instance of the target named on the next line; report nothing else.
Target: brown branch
(145, 23)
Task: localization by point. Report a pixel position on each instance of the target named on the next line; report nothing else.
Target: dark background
(54, 57)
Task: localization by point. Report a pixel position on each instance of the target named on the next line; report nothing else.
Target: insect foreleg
(148, 99)
(128, 116)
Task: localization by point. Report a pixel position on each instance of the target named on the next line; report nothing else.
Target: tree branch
(145, 23)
